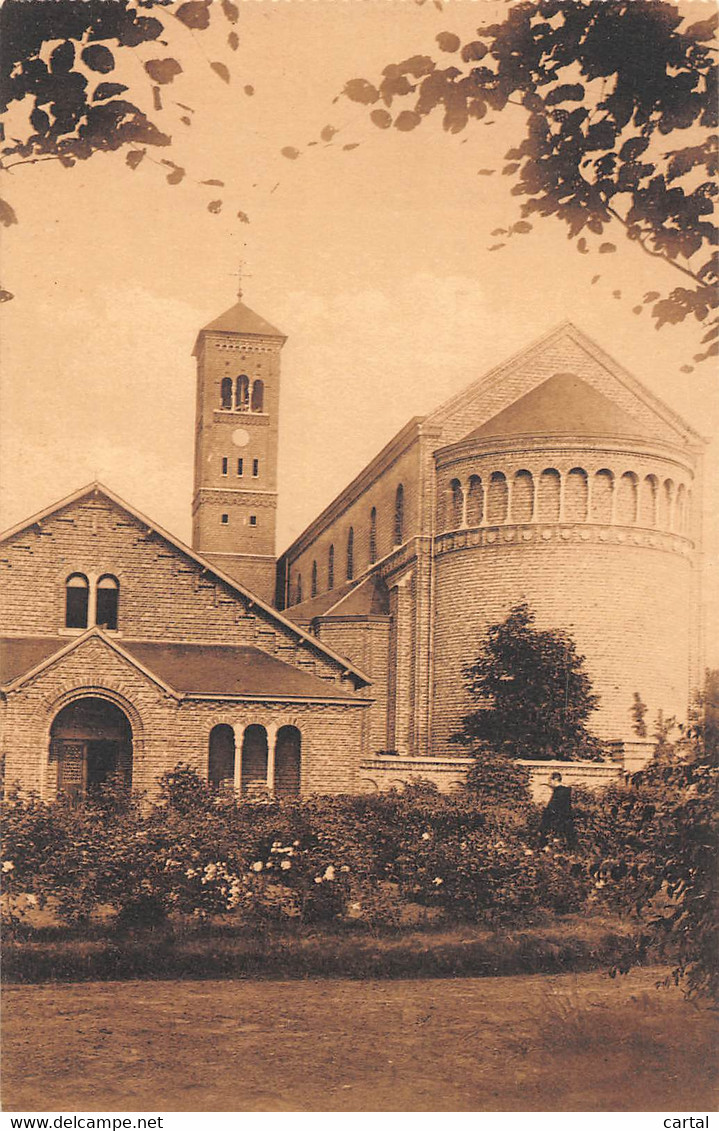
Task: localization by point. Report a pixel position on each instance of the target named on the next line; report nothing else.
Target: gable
(570, 354)
(167, 592)
(562, 405)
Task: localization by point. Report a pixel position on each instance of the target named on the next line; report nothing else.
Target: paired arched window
(373, 535)
(399, 516)
(331, 568)
(258, 395)
(77, 600)
(313, 584)
(86, 605)
(226, 392)
(350, 554)
(242, 393)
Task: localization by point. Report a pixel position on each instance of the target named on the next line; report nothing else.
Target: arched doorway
(221, 763)
(287, 762)
(91, 744)
(254, 760)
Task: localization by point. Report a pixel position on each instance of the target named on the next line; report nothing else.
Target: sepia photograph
(359, 575)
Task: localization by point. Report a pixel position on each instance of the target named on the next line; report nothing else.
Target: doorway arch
(91, 744)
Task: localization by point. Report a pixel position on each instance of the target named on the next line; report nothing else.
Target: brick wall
(380, 494)
(626, 606)
(164, 593)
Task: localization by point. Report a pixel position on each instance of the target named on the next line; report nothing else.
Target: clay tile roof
(20, 654)
(563, 404)
(190, 669)
(239, 319)
(222, 669)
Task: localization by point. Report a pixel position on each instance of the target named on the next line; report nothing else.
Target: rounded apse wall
(599, 547)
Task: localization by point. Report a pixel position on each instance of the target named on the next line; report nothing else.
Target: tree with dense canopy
(620, 103)
(60, 94)
(533, 693)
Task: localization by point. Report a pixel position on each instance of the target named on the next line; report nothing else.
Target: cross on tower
(241, 273)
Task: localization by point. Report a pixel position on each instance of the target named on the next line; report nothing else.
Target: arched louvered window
(242, 393)
(77, 599)
(258, 395)
(399, 516)
(226, 392)
(313, 584)
(373, 535)
(350, 554)
(108, 600)
(331, 568)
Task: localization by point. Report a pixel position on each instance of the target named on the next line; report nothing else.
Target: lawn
(572, 1042)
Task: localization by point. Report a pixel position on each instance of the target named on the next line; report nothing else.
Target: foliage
(620, 107)
(654, 844)
(647, 850)
(534, 695)
(64, 73)
(496, 779)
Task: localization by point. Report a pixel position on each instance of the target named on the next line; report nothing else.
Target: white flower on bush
(318, 879)
(344, 868)
(257, 866)
(426, 836)
(528, 852)
(8, 866)
(437, 880)
(284, 865)
(191, 872)
(329, 872)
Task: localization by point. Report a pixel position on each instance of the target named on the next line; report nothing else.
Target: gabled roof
(184, 670)
(578, 338)
(239, 319)
(563, 404)
(253, 601)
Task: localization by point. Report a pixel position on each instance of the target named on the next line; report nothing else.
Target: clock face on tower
(240, 438)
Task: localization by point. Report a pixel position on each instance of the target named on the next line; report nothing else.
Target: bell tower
(234, 504)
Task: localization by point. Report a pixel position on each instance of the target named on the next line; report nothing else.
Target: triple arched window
(89, 604)
(242, 395)
(373, 536)
(331, 568)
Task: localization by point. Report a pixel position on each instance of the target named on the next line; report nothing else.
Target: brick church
(556, 478)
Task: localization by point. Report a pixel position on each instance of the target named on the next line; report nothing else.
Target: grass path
(526, 1043)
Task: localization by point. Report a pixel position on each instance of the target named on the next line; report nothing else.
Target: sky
(373, 260)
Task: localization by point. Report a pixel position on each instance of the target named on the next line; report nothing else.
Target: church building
(557, 479)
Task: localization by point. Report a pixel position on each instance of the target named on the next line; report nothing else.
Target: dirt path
(536, 1043)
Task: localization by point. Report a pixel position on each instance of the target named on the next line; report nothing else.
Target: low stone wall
(590, 775)
(448, 774)
(390, 771)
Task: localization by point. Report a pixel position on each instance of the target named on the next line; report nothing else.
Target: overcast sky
(374, 261)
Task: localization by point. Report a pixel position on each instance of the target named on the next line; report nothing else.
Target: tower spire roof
(239, 319)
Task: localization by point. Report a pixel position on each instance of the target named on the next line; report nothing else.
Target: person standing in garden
(557, 818)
